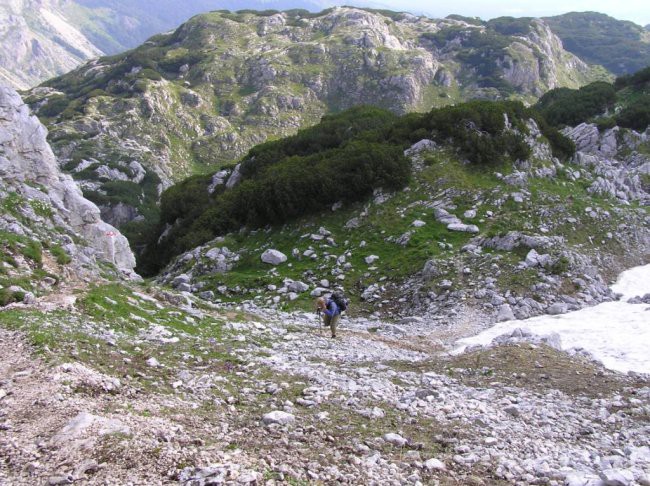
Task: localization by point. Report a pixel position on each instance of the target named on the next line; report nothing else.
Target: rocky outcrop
(30, 174)
(615, 157)
(537, 74)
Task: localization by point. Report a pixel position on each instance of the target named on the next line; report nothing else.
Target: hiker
(331, 311)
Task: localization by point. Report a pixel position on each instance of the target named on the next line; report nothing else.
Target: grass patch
(62, 258)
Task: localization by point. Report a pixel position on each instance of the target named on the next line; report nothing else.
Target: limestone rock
(278, 417)
(83, 422)
(27, 159)
(273, 257)
(435, 465)
(505, 313)
(466, 228)
(395, 439)
(557, 308)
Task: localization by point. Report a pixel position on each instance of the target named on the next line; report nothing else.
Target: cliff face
(221, 83)
(39, 42)
(43, 215)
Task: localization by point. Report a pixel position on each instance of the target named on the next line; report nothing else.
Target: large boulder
(273, 257)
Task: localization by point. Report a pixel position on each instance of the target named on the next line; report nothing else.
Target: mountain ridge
(200, 97)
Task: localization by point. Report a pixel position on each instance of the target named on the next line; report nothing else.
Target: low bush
(564, 106)
(636, 116)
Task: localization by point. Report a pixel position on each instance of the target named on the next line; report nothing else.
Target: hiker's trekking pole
(320, 321)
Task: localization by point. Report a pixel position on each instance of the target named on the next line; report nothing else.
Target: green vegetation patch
(625, 103)
(344, 158)
(600, 39)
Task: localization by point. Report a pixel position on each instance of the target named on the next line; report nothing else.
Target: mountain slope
(45, 38)
(202, 96)
(509, 236)
(117, 25)
(621, 46)
(39, 42)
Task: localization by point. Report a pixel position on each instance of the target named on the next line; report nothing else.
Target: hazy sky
(635, 10)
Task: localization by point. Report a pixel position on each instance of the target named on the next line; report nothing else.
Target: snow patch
(615, 333)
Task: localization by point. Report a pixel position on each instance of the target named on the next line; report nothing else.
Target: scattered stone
(466, 228)
(278, 417)
(505, 313)
(557, 308)
(395, 439)
(435, 465)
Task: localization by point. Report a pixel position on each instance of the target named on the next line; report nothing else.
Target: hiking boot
(333, 336)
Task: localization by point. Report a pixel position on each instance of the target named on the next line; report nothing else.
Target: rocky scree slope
(137, 384)
(200, 97)
(460, 245)
(49, 233)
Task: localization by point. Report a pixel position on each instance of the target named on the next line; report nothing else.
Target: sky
(637, 11)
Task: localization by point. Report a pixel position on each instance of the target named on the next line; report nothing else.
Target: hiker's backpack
(340, 300)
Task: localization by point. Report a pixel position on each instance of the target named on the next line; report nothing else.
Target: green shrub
(478, 130)
(62, 258)
(8, 297)
(510, 25)
(636, 116)
(54, 106)
(564, 106)
(344, 158)
(293, 186)
(149, 73)
(606, 123)
(560, 266)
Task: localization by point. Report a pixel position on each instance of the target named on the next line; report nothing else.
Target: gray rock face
(118, 214)
(297, 287)
(218, 179)
(26, 159)
(234, 178)
(515, 239)
(612, 158)
(505, 313)
(80, 425)
(465, 228)
(395, 439)
(557, 308)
